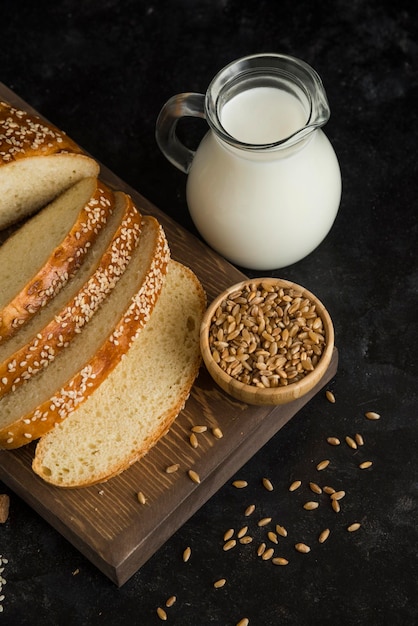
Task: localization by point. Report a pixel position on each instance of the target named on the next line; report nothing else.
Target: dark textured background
(101, 70)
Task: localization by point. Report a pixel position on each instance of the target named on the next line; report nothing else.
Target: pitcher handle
(182, 105)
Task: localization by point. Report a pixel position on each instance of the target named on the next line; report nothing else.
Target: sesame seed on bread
(37, 260)
(37, 163)
(48, 397)
(138, 402)
(39, 340)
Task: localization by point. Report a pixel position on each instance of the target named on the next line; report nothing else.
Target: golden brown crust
(24, 135)
(62, 263)
(163, 425)
(41, 349)
(30, 144)
(42, 419)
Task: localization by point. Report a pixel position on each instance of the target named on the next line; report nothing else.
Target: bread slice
(37, 163)
(37, 260)
(139, 400)
(49, 396)
(39, 340)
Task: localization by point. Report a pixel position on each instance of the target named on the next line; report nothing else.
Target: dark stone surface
(101, 70)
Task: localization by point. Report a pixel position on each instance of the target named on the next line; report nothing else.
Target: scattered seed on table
(359, 439)
(323, 536)
(141, 498)
(243, 622)
(261, 549)
(219, 583)
(336, 506)
(372, 415)
(365, 464)
(322, 465)
(315, 488)
(187, 554)
(171, 600)
(193, 441)
(330, 396)
(311, 505)
(162, 614)
(229, 545)
(229, 534)
(328, 490)
(353, 527)
(267, 554)
(199, 429)
(302, 547)
(295, 485)
(279, 560)
(273, 537)
(242, 531)
(267, 484)
(351, 443)
(333, 441)
(217, 433)
(172, 468)
(337, 495)
(281, 530)
(249, 510)
(194, 476)
(264, 521)
(246, 540)
(239, 484)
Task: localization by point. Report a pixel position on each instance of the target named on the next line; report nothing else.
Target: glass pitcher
(264, 185)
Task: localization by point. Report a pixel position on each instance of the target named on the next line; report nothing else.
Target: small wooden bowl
(249, 393)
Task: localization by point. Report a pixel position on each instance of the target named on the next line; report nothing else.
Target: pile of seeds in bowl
(267, 336)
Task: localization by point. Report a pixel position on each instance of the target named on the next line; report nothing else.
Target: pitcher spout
(279, 74)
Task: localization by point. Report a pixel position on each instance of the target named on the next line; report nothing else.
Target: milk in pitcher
(262, 115)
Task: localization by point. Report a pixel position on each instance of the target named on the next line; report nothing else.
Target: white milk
(262, 115)
(264, 209)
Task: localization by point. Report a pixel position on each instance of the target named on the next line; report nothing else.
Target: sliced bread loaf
(138, 401)
(37, 163)
(37, 260)
(53, 327)
(49, 396)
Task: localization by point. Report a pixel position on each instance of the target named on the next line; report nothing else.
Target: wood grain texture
(106, 522)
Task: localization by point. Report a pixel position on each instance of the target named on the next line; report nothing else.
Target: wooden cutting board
(106, 522)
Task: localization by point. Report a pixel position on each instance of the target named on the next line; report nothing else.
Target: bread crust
(163, 423)
(77, 389)
(29, 143)
(24, 135)
(43, 347)
(63, 261)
